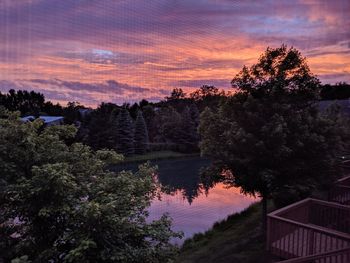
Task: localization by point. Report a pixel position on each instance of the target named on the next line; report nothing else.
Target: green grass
(236, 239)
(157, 156)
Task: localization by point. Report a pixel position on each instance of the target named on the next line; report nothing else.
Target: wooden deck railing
(336, 256)
(308, 227)
(340, 192)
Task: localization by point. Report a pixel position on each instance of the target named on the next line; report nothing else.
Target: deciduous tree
(269, 135)
(60, 203)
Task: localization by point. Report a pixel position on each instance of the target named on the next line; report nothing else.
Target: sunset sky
(125, 50)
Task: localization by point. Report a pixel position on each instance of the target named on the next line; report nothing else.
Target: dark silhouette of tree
(149, 116)
(71, 112)
(205, 91)
(141, 139)
(207, 96)
(28, 103)
(194, 112)
(339, 91)
(52, 109)
(125, 133)
(100, 127)
(168, 122)
(270, 135)
(281, 74)
(143, 103)
(188, 137)
(176, 94)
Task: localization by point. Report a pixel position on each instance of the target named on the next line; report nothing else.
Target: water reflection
(203, 212)
(193, 207)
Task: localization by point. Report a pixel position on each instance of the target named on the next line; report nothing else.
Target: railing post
(311, 242)
(268, 234)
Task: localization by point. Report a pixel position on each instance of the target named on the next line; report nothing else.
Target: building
(48, 120)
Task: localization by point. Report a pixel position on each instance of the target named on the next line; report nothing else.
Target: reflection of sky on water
(203, 212)
(184, 198)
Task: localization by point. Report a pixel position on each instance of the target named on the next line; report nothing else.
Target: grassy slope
(157, 156)
(236, 239)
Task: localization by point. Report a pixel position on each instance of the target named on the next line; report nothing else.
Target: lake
(192, 209)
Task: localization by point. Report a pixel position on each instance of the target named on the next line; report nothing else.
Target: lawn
(236, 239)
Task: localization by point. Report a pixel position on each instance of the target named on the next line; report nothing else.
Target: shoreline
(158, 155)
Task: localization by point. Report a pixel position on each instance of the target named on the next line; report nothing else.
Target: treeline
(170, 124)
(339, 91)
(167, 125)
(129, 129)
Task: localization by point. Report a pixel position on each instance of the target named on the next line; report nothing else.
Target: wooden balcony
(340, 192)
(310, 230)
(337, 256)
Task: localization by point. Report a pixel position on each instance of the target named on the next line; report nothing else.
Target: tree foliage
(141, 139)
(125, 133)
(269, 135)
(60, 203)
(27, 102)
(339, 91)
(282, 74)
(99, 129)
(176, 94)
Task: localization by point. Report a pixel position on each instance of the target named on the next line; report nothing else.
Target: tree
(141, 139)
(207, 96)
(269, 136)
(176, 94)
(194, 112)
(149, 114)
(28, 103)
(60, 203)
(281, 74)
(125, 133)
(339, 91)
(101, 127)
(188, 136)
(71, 112)
(204, 92)
(169, 125)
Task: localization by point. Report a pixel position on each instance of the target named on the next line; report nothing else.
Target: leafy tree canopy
(269, 136)
(176, 94)
(339, 91)
(281, 73)
(60, 203)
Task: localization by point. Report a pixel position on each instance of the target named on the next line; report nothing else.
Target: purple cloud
(76, 48)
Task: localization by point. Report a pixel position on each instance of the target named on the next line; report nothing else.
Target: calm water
(192, 209)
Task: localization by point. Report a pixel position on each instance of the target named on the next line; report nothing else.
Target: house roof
(46, 119)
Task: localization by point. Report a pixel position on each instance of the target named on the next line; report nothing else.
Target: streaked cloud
(78, 47)
(89, 94)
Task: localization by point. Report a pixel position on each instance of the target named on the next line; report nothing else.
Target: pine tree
(188, 135)
(194, 114)
(125, 133)
(141, 134)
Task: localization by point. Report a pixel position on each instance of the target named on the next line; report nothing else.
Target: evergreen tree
(194, 114)
(188, 133)
(141, 139)
(168, 123)
(100, 127)
(125, 133)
